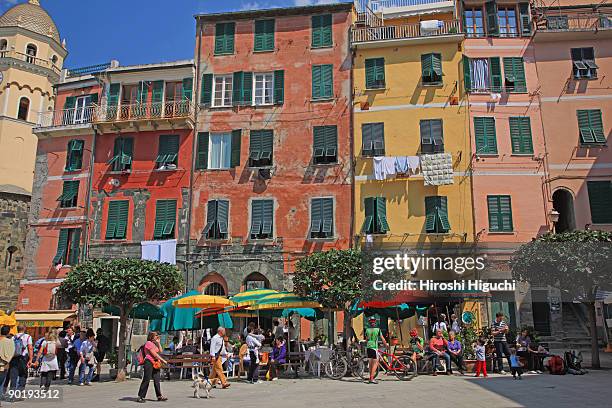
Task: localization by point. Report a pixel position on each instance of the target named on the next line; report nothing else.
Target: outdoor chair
(319, 358)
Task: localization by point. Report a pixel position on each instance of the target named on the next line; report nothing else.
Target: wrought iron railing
(143, 111)
(370, 34)
(65, 117)
(575, 22)
(30, 59)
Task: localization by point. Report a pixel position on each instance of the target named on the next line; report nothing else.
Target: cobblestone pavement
(591, 390)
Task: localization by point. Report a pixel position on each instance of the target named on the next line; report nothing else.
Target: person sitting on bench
(279, 356)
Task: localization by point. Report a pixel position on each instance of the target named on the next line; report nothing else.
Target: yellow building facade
(407, 96)
(31, 60)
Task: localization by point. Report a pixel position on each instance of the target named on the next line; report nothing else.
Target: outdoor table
(201, 361)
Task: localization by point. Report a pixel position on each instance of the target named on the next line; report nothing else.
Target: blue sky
(143, 31)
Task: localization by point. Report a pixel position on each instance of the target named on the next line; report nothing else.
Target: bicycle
(402, 367)
(341, 362)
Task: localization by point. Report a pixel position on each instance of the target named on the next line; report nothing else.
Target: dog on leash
(201, 382)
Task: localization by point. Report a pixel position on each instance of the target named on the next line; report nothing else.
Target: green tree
(122, 283)
(333, 278)
(578, 263)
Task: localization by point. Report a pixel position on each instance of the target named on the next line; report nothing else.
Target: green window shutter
(369, 204)
(237, 92)
(515, 72)
(318, 141)
(467, 78)
(264, 35)
(207, 84)
(256, 217)
(322, 31)
(236, 142)
(70, 192)
(316, 216)
(590, 125)
(500, 213)
(158, 92)
(224, 38)
(431, 204)
(495, 73)
(187, 89)
(596, 123)
(143, 91)
(74, 158)
(520, 135)
(375, 73)
(165, 219)
(327, 217)
(93, 99)
(223, 216)
(247, 88)
(327, 77)
(230, 29)
(316, 39)
(493, 208)
(317, 82)
(525, 19)
(116, 226)
(112, 100)
(279, 87)
(426, 65)
(331, 141)
(600, 201)
(266, 141)
(255, 144)
(381, 215)
(491, 13)
(202, 151)
(211, 218)
(219, 38)
(62, 245)
(70, 102)
(268, 217)
(443, 215)
(484, 133)
(505, 208)
(111, 220)
(127, 152)
(168, 150)
(75, 246)
(367, 139)
(436, 60)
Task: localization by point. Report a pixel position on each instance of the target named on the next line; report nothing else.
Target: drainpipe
(85, 254)
(352, 241)
(193, 158)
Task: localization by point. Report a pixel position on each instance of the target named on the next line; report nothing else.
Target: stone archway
(563, 203)
(213, 284)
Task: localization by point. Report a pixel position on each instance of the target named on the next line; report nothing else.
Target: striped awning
(44, 319)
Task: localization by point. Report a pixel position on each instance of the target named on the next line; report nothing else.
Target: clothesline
(437, 169)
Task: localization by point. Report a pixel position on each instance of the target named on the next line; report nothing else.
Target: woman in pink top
(151, 351)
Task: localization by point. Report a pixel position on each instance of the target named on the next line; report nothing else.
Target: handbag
(157, 364)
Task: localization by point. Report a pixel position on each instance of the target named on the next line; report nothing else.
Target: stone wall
(14, 210)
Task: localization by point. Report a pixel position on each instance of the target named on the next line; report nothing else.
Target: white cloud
(313, 2)
(250, 5)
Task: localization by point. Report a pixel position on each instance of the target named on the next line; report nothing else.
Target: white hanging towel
(437, 169)
(167, 251)
(414, 163)
(150, 250)
(389, 167)
(379, 173)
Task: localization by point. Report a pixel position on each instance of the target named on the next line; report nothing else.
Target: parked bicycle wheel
(336, 368)
(363, 369)
(404, 368)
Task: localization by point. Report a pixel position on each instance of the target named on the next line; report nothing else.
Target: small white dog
(201, 382)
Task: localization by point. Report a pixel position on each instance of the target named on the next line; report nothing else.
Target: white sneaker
(503, 372)
(259, 382)
(81, 384)
(539, 372)
(533, 372)
(275, 378)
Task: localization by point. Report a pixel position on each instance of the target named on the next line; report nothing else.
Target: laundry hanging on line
(437, 169)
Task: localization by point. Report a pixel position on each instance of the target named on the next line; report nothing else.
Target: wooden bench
(186, 361)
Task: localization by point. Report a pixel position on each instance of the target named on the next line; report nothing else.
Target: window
(167, 157)
(482, 74)
(492, 18)
(165, 219)
(322, 81)
(260, 148)
(600, 201)
(54, 60)
(77, 109)
(222, 90)
(74, 155)
(322, 218)
(514, 74)
(432, 137)
(520, 135)
(583, 60)
(3, 44)
(484, 131)
(263, 86)
(214, 289)
(31, 53)
(174, 91)
(322, 31)
(436, 215)
(500, 213)
(431, 68)
(557, 22)
(68, 247)
(262, 216)
(375, 216)
(373, 139)
(218, 150)
(23, 109)
(264, 35)
(217, 219)
(325, 144)
(117, 220)
(590, 126)
(70, 194)
(122, 154)
(506, 20)
(474, 23)
(375, 73)
(10, 255)
(224, 38)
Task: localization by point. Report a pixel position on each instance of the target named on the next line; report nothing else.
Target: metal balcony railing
(372, 34)
(30, 59)
(143, 111)
(379, 5)
(575, 22)
(65, 117)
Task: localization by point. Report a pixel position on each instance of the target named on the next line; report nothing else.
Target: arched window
(256, 280)
(3, 46)
(31, 53)
(24, 108)
(10, 256)
(214, 289)
(54, 59)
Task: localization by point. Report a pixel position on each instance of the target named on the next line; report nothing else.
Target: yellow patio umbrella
(202, 302)
(251, 296)
(284, 300)
(9, 320)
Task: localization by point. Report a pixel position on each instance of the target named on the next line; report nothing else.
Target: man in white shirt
(217, 352)
(19, 365)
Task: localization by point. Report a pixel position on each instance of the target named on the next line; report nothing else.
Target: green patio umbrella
(177, 318)
(305, 312)
(144, 311)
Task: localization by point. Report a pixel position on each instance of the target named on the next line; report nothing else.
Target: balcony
(400, 8)
(557, 26)
(30, 59)
(371, 37)
(170, 114)
(65, 119)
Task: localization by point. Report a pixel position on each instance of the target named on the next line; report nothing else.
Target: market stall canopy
(251, 296)
(44, 319)
(145, 311)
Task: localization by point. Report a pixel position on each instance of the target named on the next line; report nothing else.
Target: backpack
(19, 346)
(556, 365)
(140, 355)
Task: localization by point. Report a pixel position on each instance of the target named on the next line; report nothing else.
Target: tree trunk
(121, 374)
(593, 329)
(346, 326)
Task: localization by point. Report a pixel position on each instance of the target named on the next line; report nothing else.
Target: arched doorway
(255, 280)
(563, 203)
(31, 51)
(213, 284)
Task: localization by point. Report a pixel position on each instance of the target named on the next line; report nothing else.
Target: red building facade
(272, 178)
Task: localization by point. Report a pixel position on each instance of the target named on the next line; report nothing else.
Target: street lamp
(553, 217)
